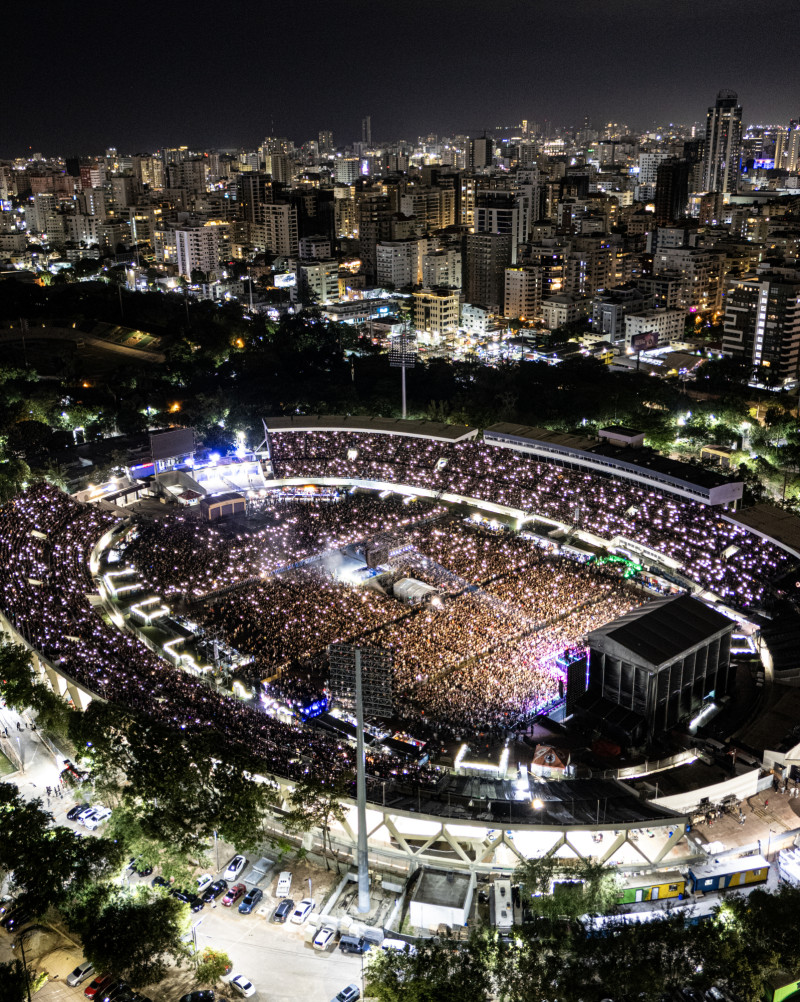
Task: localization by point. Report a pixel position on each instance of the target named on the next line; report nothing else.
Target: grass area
(6, 766)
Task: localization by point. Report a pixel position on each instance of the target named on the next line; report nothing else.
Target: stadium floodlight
(403, 355)
(362, 677)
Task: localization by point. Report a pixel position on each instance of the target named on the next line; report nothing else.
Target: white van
(284, 884)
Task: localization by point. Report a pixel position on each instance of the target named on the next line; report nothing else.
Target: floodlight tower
(403, 355)
(349, 665)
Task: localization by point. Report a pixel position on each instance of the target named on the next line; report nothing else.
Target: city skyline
(456, 69)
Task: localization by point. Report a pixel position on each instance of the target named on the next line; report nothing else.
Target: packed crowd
(183, 556)
(482, 658)
(290, 617)
(45, 581)
(724, 557)
(481, 661)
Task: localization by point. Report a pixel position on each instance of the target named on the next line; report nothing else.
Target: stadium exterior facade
(486, 828)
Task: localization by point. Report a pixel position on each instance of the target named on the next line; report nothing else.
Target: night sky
(140, 76)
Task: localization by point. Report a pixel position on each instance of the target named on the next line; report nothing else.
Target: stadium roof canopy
(663, 629)
(563, 803)
(639, 464)
(771, 523)
(387, 426)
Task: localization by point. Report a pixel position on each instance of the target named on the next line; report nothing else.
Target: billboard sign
(169, 444)
(644, 341)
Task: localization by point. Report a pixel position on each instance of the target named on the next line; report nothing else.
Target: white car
(284, 884)
(96, 819)
(81, 818)
(203, 883)
(325, 935)
(80, 974)
(303, 910)
(235, 867)
(243, 987)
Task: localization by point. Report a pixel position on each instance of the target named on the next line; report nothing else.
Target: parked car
(284, 884)
(242, 986)
(399, 945)
(75, 812)
(181, 895)
(233, 895)
(100, 815)
(250, 900)
(302, 911)
(235, 867)
(354, 944)
(198, 904)
(159, 881)
(324, 937)
(348, 994)
(215, 890)
(97, 985)
(80, 974)
(207, 995)
(283, 911)
(84, 814)
(110, 992)
(16, 919)
(204, 882)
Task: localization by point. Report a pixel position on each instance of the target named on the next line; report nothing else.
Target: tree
(175, 784)
(14, 981)
(213, 964)
(438, 972)
(50, 865)
(132, 934)
(22, 689)
(315, 803)
(554, 887)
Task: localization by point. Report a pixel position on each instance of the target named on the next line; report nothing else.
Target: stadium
(480, 560)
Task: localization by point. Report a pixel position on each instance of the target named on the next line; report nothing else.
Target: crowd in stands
(723, 557)
(480, 660)
(185, 556)
(45, 544)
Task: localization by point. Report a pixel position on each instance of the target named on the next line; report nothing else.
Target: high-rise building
(486, 257)
(281, 234)
(436, 311)
(374, 216)
(366, 130)
(197, 249)
(480, 153)
(762, 323)
(503, 212)
(399, 262)
(442, 269)
(189, 174)
(253, 189)
(672, 191)
(723, 144)
(523, 293)
(279, 167)
(345, 169)
(325, 142)
(648, 166)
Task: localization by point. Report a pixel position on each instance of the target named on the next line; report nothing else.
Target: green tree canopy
(131, 934)
(50, 865)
